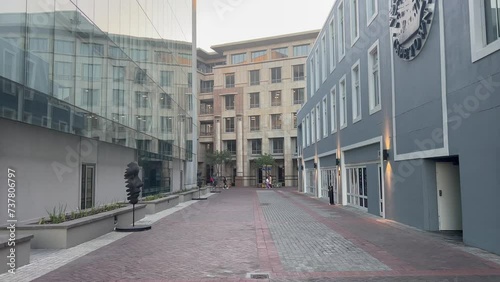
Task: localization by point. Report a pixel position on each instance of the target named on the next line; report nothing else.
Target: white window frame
(343, 102)
(479, 46)
(333, 109)
(332, 34)
(317, 68)
(304, 129)
(370, 19)
(325, 116)
(354, 13)
(318, 122)
(341, 31)
(356, 96)
(308, 131)
(313, 78)
(371, 91)
(313, 126)
(324, 59)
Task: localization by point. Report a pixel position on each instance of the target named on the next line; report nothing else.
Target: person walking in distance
(268, 184)
(270, 181)
(225, 182)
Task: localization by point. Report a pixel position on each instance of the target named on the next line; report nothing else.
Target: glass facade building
(113, 71)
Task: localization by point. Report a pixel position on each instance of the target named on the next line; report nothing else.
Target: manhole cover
(259, 276)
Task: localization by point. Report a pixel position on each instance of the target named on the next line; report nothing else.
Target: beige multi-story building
(250, 92)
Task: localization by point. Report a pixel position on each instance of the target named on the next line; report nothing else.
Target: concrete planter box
(22, 251)
(161, 204)
(74, 232)
(189, 195)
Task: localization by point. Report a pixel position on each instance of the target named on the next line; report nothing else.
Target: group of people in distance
(213, 182)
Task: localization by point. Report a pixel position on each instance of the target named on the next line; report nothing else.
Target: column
(239, 151)
(217, 143)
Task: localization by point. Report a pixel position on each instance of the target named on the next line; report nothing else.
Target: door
(449, 196)
(87, 196)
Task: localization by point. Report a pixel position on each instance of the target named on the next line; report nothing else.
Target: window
(374, 78)
(238, 58)
(143, 145)
(139, 55)
(276, 98)
(318, 122)
(254, 123)
(325, 117)
(63, 93)
(279, 53)
(294, 120)
(166, 78)
(276, 75)
(341, 32)
(118, 98)
(206, 128)
(357, 191)
(63, 70)
(323, 57)
(165, 101)
(38, 44)
(90, 97)
(293, 141)
(313, 76)
(300, 50)
(333, 113)
(332, 45)
(143, 123)
(189, 102)
(229, 80)
(184, 59)
(276, 145)
(298, 72)
(141, 76)
(231, 146)
(64, 47)
(304, 129)
(313, 125)
(298, 96)
(484, 27)
(229, 100)
(91, 49)
(354, 21)
(316, 68)
(91, 72)
(254, 100)
(371, 10)
(308, 130)
(142, 100)
(116, 53)
(166, 147)
(189, 125)
(207, 86)
(259, 56)
(276, 121)
(206, 107)
(356, 93)
(190, 79)
(256, 146)
(254, 77)
(343, 103)
(229, 124)
(118, 74)
(189, 150)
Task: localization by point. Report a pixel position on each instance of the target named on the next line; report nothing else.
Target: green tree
(217, 159)
(264, 161)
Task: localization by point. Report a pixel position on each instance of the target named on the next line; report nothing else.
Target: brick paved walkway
(282, 233)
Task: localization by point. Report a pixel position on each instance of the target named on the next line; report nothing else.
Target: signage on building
(410, 23)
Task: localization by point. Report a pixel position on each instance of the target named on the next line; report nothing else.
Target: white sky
(225, 21)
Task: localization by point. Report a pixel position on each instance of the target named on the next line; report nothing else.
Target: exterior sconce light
(337, 162)
(315, 166)
(385, 154)
(302, 167)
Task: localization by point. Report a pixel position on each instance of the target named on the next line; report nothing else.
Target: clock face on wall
(410, 23)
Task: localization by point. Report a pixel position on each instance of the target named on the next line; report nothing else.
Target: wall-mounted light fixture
(315, 166)
(337, 162)
(302, 167)
(385, 154)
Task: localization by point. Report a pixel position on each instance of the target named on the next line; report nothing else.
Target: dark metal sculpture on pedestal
(134, 185)
(199, 182)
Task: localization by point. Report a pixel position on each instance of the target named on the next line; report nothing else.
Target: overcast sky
(224, 21)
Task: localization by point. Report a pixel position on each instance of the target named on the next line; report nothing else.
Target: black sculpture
(134, 185)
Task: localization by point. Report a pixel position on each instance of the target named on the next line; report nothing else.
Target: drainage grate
(259, 276)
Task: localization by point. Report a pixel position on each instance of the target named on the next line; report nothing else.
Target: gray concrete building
(401, 117)
(88, 87)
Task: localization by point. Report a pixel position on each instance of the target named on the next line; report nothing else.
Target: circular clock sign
(410, 23)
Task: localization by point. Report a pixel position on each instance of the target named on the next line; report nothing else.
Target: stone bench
(22, 251)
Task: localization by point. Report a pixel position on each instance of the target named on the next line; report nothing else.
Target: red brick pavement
(226, 237)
